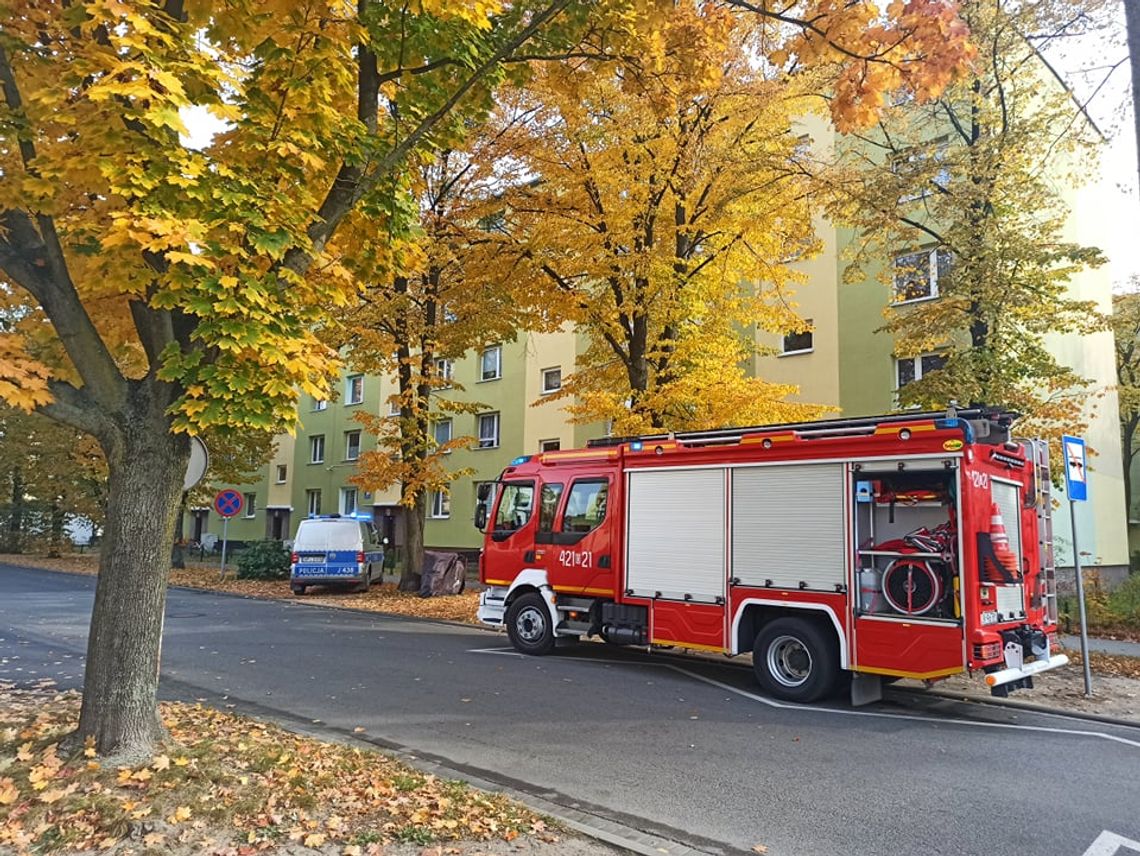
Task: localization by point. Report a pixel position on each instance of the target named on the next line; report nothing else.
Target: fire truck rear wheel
(529, 626)
(796, 660)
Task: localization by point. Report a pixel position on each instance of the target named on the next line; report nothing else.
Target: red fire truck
(837, 552)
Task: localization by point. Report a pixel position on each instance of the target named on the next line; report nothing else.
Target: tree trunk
(146, 466)
(178, 552)
(55, 536)
(1132, 23)
(413, 543)
(16, 515)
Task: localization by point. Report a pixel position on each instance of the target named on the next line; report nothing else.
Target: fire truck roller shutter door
(788, 526)
(676, 535)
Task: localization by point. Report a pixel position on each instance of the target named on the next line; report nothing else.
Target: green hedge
(263, 560)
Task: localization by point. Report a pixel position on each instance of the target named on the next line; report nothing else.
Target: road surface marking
(1109, 843)
(510, 652)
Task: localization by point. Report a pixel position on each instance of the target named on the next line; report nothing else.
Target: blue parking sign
(1076, 469)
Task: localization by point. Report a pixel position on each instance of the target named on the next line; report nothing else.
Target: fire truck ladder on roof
(999, 419)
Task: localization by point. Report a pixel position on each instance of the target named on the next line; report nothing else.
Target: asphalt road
(688, 749)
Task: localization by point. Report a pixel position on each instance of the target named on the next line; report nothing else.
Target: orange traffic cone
(1000, 540)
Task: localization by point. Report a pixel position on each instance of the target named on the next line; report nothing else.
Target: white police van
(335, 550)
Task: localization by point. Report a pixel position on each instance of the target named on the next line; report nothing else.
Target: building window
(443, 372)
(913, 167)
(317, 449)
(442, 430)
(354, 389)
(440, 504)
(918, 274)
(282, 473)
(351, 445)
(549, 445)
(551, 380)
(488, 430)
(348, 500)
(320, 404)
(908, 369)
(491, 363)
(394, 406)
(799, 343)
(313, 502)
(249, 503)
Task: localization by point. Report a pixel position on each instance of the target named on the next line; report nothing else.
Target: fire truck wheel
(528, 625)
(795, 660)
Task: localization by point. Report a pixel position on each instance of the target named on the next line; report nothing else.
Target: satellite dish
(199, 461)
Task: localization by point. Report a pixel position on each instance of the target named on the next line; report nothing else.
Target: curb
(1028, 707)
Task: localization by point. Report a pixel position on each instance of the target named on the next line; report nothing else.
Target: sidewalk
(1116, 647)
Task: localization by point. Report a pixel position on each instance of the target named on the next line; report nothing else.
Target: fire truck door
(906, 601)
(510, 549)
(579, 553)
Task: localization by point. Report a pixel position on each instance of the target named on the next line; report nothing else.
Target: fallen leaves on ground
(1108, 664)
(228, 785)
(380, 598)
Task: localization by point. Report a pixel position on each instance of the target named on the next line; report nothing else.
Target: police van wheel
(298, 590)
(796, 660)
(365, 583)
(529, 626)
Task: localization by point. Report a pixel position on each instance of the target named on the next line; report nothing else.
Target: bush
(263, 560)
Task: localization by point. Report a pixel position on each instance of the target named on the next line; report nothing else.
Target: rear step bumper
(1006, 676)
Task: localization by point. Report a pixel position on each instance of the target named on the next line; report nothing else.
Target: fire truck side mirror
(481, 516)
(483, 492)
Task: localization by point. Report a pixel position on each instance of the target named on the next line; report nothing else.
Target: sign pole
(1077, 490)
(225, 529)
(1081, 600)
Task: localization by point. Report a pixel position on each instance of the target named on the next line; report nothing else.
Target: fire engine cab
(837, 552)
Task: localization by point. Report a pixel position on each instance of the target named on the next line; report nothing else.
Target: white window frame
(450, 432)
(394, 406)
(932, 254)
(313, 444)
(439, 507)
(310, 495)
(320, 404)
(490, 496)
(810, 331)
(347, 456)
(546, 388)
(489, 442)
(444, 372)
(249, 504)
(917, 361)
(349, 382)
(345, 492)
(282, 473)
(497, 350)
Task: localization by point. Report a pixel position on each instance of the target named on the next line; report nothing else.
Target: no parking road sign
(228, 503)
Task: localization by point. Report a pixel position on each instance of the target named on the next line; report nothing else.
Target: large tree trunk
(146, 464)
(413, 543)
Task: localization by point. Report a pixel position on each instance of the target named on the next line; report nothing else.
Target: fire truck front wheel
(529, 626)
(795, 659)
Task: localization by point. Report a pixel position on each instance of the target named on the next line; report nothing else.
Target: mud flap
(865, 689)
